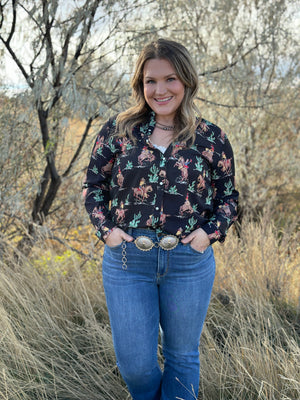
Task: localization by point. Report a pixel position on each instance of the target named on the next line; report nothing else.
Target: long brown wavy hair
(180, 59)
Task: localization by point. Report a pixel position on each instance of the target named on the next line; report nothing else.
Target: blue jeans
(170, 289)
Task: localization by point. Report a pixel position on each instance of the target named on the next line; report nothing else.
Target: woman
(160, 191)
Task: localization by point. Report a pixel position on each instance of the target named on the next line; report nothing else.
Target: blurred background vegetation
(65, 68)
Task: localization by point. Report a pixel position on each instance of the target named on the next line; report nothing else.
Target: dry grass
(55, 336)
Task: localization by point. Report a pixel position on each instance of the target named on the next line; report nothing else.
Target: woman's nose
(160, 88)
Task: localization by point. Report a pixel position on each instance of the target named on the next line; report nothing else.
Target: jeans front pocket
(114, 247)
(196, 251)
(112, 257)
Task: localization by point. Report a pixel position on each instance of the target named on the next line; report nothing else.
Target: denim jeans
(159, 288)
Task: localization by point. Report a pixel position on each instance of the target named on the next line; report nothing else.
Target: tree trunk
(47, 191)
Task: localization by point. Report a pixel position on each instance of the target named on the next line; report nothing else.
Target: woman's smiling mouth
(164, 100)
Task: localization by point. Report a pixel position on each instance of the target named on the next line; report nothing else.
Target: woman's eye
(150, 81)
(171, 79)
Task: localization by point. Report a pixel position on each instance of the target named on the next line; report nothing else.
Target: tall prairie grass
(55, 340)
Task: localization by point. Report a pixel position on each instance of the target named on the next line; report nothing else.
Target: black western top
(136, 185)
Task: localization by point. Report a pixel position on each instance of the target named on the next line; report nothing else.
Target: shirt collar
(146, 128)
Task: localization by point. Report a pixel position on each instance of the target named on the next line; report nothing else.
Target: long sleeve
(130, 183)
(97, 182)
(224, 195)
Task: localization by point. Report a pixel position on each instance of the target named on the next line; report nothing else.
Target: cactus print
(136, 185)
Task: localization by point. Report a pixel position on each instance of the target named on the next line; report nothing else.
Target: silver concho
(169, 242)
(143, 243)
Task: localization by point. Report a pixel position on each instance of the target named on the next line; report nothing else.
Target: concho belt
(168, 242)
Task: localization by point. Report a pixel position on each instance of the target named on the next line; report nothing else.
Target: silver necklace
(165, 127)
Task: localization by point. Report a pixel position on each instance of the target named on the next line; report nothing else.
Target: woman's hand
(198, 239)
(116, 237)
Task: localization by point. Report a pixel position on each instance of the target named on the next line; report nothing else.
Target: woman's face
(163, 91)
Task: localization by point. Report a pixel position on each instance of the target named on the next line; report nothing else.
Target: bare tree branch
(86, 256)
(253, 106)
(13, 25)
(48, 27)
(79, 148)
(6, 42)
(232, 64)
(86, 30)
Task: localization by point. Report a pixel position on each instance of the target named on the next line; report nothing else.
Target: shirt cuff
(104, 231)
(213, 232)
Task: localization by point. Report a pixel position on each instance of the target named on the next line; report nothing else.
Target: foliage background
(65, 68)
